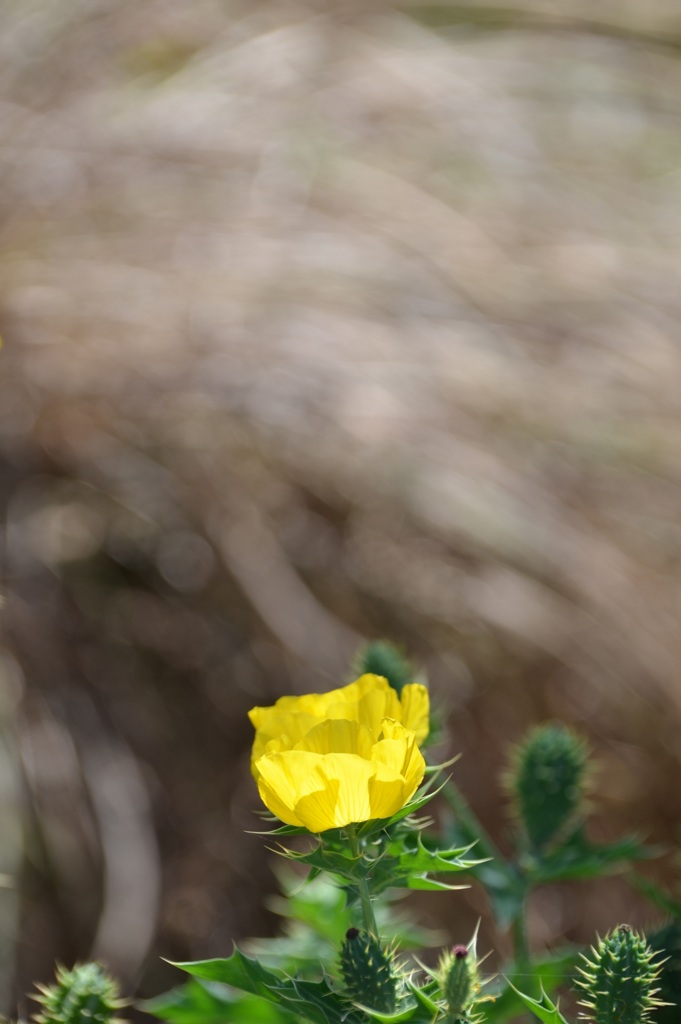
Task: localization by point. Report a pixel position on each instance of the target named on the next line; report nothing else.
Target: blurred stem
(468, 823)
(362, 884)
(521, 949)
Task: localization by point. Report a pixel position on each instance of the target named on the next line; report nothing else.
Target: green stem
(469, 824)
(362, 884)
(521, 952)
(523, 965)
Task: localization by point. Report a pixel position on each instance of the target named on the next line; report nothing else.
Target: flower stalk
(363, 883)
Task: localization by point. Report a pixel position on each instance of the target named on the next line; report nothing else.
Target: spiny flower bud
(457, 976)
(618, 979)
(546, 781)
(368, 972)
(458, 983)
(381, 658)
(84, 995)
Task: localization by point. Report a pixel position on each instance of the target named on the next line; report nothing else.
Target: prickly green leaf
(411, 1014)
(311, 1000)
(424, 884)
(548, 972)
(578, 858)
(206, 1003)
(422, 861)
(543, 1008)
(423, 994)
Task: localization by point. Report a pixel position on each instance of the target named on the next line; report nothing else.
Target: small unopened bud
(458, 979)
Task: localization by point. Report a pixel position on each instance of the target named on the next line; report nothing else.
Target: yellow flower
(368, 701)
(328, 760)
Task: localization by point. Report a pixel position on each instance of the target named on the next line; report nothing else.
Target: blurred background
(325, 322)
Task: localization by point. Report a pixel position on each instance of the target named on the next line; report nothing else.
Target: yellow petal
(273, 803)
(352, 773)
(398, 751)
(386, 793)
(366, 684)
(339, 703)
(285, 728)
(284, 778)
(337, 736)
(413, 771)
(317, 810)
(376, 705)
(416, 710)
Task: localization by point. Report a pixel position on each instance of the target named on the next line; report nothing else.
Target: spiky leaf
(209, 1003)
(543, 1008)
(313, 1001)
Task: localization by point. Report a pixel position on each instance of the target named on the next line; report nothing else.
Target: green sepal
(543, 1008)
(279, 828)
(394, 858)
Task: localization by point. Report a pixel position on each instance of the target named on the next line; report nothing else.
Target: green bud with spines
(381, 658)
(84, 995)
(459, 982)
(368, 972)
(546, 781)
(619, 979)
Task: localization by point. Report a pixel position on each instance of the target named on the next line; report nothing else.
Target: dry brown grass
(319, 325)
